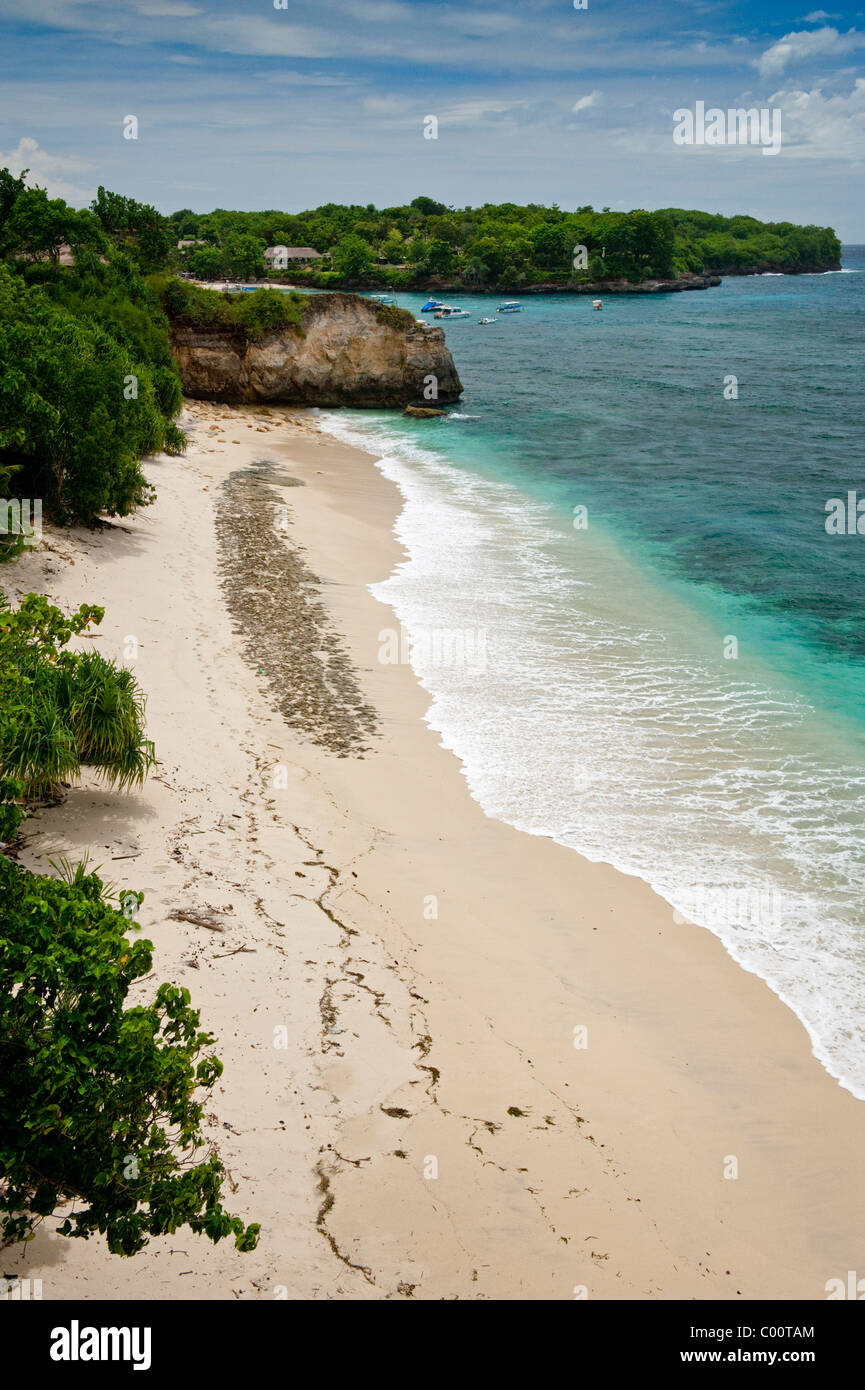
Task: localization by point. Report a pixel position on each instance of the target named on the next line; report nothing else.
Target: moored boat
(451, 311)
(510, 306)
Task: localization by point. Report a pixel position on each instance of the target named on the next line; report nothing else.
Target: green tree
(136, 227)
(439, 258)
(10, 188)
(206, 262)
(353, 257)
(244, 255)
(76, 412)
(551, 246)
(36, 225)
(428, 207)
(98, 1101)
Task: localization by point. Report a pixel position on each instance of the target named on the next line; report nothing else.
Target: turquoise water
(676, 686)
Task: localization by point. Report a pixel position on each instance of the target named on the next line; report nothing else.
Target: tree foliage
(100, 1126)
(88, 384)
(76, 412)
(502, 244)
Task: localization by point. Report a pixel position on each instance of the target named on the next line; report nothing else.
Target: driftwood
(199, 917)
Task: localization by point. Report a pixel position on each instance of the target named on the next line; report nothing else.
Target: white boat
(597, 304)
(510, 306)
(487, 320)
(450, 311)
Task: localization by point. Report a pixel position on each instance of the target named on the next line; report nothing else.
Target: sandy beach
(400, 985)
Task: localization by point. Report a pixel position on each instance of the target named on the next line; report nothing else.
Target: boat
(383, 298)
(488, 320)
(510, 306)
(432, 304)
(597, 304)
(451, 311)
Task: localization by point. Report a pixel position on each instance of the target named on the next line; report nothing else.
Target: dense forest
(496, 246)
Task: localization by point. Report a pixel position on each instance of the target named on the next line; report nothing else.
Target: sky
(241, 104)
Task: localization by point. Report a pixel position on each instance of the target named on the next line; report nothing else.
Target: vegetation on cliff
(252, 315)
(88, 384)
(503, 245)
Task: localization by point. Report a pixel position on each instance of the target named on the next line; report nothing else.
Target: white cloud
(49, 171)
(583, 103)
(808, 43)
(823, 127)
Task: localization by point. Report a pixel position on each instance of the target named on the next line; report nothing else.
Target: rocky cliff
(349, 351)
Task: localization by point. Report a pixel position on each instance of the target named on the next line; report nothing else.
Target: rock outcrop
(350, 351)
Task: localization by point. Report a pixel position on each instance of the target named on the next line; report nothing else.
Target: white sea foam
(606, 717)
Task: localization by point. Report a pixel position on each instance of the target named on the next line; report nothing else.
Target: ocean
(637, 633)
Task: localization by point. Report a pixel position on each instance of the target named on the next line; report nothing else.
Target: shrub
(97, 1100)
(175, 440)
(254, 313)
(60, 710)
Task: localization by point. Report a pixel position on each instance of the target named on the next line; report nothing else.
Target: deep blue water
(678, 688)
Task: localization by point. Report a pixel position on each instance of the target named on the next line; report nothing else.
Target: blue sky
(242, 105)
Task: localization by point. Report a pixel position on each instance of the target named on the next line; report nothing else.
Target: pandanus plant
(106, 714)
(60, 710)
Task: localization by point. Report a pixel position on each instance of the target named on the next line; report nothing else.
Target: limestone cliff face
(351, 352)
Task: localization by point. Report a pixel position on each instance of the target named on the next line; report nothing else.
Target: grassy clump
(60, 711)
(393, 316)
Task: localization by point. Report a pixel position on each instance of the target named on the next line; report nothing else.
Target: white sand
(611, 1176)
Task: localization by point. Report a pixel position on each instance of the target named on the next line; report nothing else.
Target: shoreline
(415, 1037)
(697, 280)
